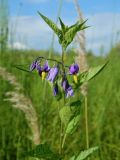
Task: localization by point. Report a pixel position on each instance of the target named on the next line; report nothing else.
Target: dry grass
(81, 50)
(23, 103)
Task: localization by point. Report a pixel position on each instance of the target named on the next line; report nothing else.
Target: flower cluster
(53, 73)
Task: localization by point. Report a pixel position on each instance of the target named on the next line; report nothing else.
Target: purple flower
(39, 68)
(55, 89)
(69, 92)
(46, 67)
(73, 69)
(52, 74)
(43, 70)
(33, 65)
(67, 88)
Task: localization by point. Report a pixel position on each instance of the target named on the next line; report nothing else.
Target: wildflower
(67, 88)
(55, 89)
(43, 70)
(73, 69)
(33, 65)
(52, 74)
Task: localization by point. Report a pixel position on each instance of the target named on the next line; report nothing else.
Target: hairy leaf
(72, 125)
(65, 114)
(75, 103)
(70, 34)
(74, 25)
(43, 151)
(84, 154)
(51, 24)
(91, 73)
(63, 27)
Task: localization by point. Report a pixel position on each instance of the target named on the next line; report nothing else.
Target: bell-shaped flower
(67, 88)
(43, 70)
(46, 67)
(55, 89)
(74, 69)
(33, 65)
(69, 92)
(52, 74)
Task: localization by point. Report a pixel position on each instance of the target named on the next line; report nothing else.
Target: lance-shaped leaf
(74, 25)
(63, 27)
(43, 151)
(91, 73)
(75, 103)
(72, 125)
(51, 24)
(70, 34)
(84, 154)
(65, 115)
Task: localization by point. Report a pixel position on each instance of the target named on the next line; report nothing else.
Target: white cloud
(18, 46)
(38, 35)
(103, 30)
(31, 29)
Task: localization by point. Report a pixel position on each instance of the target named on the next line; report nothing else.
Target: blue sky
(103, 17)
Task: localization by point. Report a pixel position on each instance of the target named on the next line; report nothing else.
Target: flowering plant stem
(62, 137)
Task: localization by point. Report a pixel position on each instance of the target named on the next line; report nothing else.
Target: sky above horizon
(30, 31)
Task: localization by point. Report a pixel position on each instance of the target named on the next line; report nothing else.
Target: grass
(103, 110)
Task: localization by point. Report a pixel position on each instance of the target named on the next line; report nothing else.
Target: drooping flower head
(67, 88)
(33, 65)
(52, 74)
(74, 69)
(43, 70)
(46, 67)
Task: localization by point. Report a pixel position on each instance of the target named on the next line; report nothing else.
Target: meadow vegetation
(103, 108)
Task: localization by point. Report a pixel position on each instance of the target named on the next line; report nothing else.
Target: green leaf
(74, 25)
(51, 24)
(84, 154)
(75, 103)
(63, 27)
(65, 115)
(72, 125)
(91, 73)
(43, 151)
(69, 112)
(70, 34)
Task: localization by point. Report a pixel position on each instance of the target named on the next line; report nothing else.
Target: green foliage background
(103, 106)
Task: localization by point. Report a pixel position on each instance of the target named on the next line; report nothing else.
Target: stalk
(63, 142)
(62, 138)
(50, 55)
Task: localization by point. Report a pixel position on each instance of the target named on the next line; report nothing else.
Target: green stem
(86, 123)
(63, 54)
(63, 142)
(50, 55)
(61, 137)
(63, 67)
